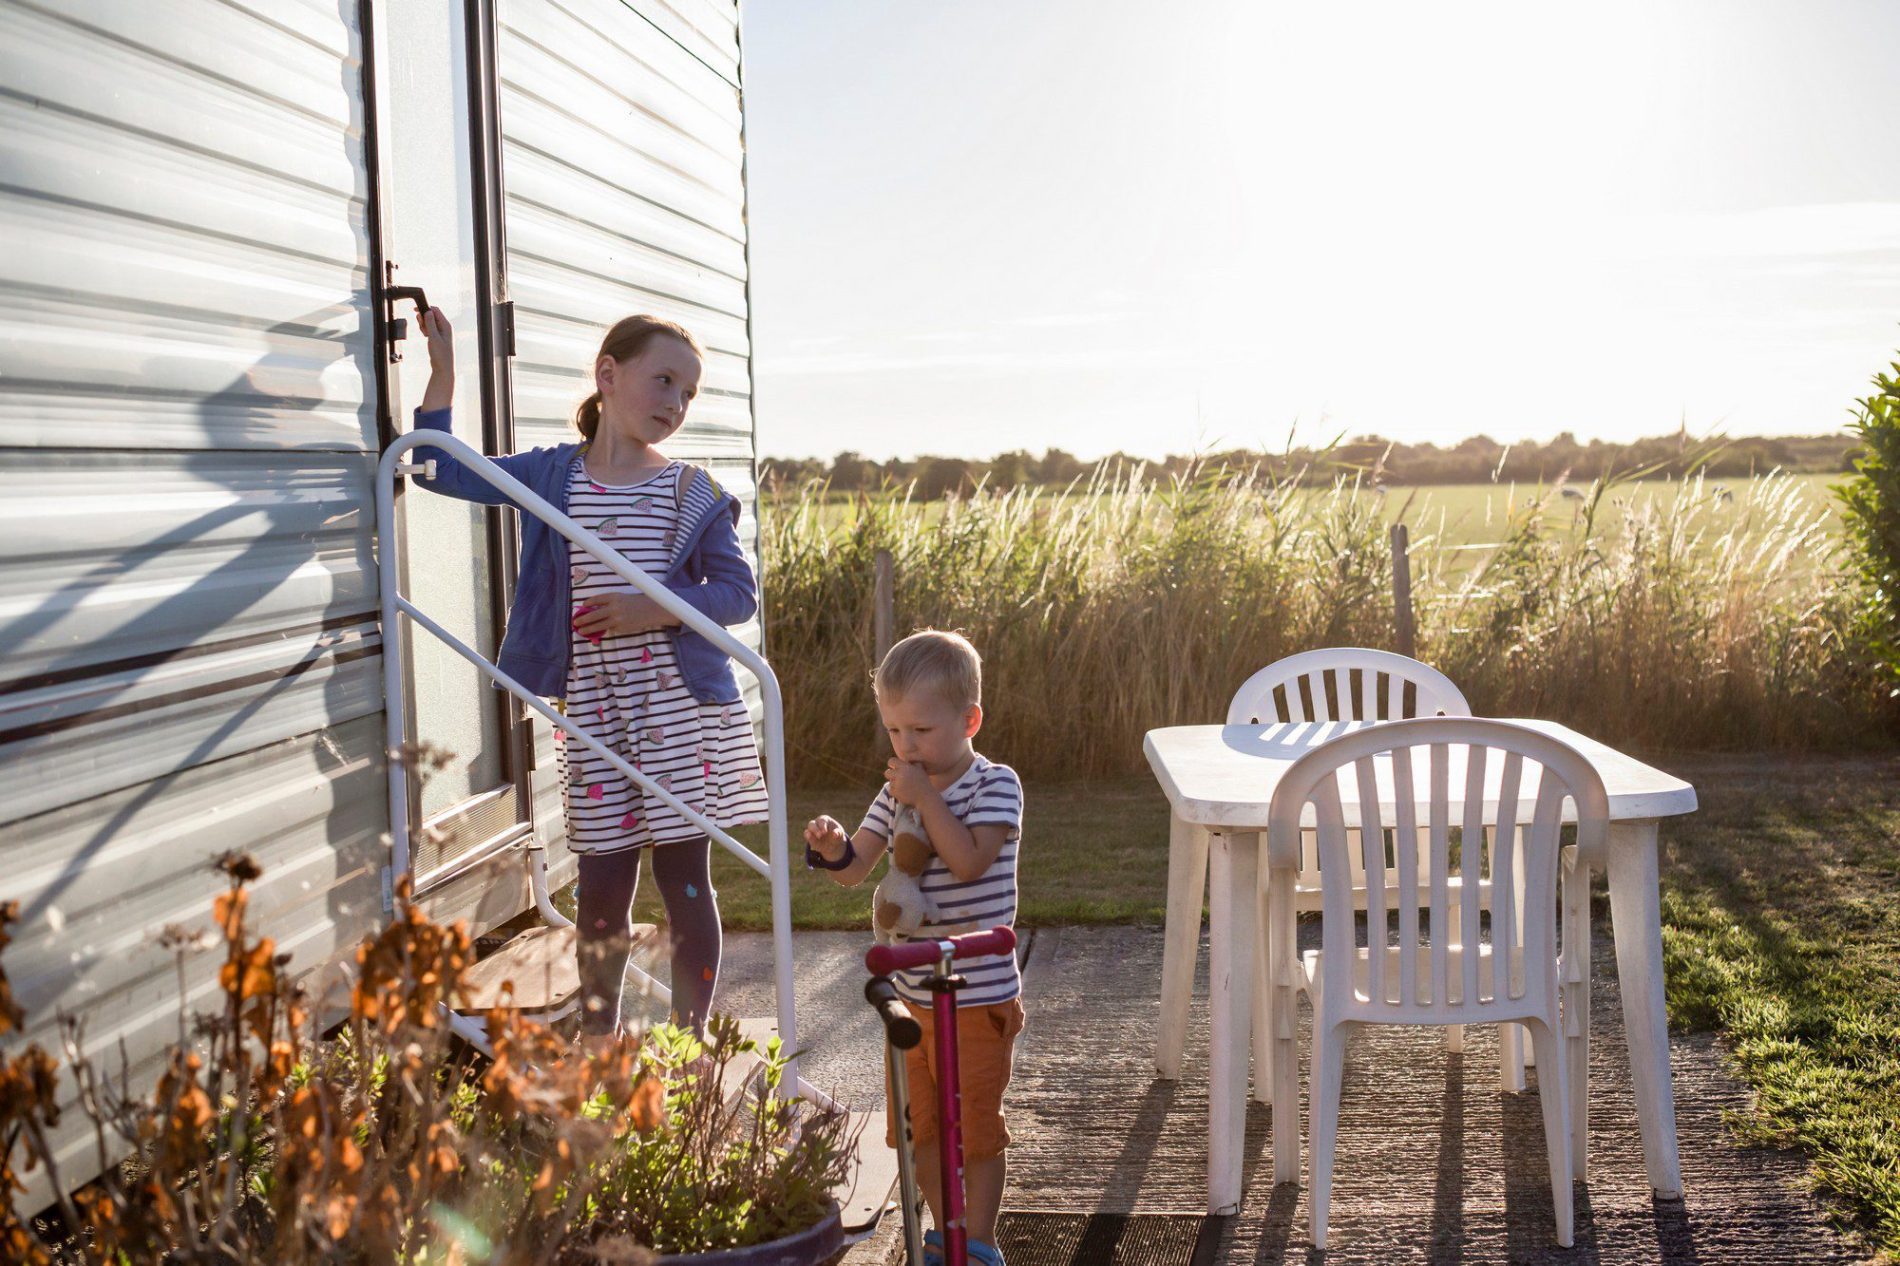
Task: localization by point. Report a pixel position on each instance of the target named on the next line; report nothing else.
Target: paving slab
(1435, 1163)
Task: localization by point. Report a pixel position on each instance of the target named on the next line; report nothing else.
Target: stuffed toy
(899, 908)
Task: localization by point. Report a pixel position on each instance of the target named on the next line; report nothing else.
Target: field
(1468, 516)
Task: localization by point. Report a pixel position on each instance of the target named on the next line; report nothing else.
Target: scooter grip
(882, 960)
(899, 1025)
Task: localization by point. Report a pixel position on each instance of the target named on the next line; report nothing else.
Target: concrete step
(869, 1191)
(866, 1193)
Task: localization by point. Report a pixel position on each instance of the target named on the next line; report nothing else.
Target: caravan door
(434, 174)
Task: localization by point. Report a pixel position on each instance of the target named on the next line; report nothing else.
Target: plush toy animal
(899, 908)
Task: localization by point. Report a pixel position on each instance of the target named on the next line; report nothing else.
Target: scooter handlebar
(885, 959)
(899, 1025)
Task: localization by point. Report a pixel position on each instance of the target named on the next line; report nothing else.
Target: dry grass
(1129, 603)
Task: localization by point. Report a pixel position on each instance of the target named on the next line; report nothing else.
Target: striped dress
(628, 692)
(985, 795)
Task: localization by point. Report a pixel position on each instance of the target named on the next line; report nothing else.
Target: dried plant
(389, 1142)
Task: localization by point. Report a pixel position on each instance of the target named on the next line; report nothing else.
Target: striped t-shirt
(986, 795)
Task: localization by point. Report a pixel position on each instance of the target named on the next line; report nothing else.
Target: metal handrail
(776, 866)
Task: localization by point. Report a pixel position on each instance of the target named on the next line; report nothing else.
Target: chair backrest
(1509, 784)
(1367, 685)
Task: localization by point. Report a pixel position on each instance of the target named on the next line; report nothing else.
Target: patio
(1434, 1165)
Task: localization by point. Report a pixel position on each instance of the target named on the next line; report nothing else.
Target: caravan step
(540, 966)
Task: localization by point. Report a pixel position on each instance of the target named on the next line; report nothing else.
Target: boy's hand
(441, 389)
(826, 837)
(619, 614)
(909, 783)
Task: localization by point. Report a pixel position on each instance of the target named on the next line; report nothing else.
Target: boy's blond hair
(933, 659)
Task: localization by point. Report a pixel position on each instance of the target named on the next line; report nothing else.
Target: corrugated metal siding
(188, 644)
(624, 188)
(189, 654)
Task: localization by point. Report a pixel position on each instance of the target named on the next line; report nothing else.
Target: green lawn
(1781, 927)
(1781, 912)
(1091, 854)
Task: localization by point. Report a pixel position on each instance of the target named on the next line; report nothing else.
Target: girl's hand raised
(441, 390)
(619, 614)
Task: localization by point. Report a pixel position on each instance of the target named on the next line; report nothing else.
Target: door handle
(397, 326)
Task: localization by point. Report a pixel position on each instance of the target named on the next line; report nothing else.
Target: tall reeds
(1129, 602)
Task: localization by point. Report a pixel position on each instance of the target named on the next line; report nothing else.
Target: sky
(1098, 225)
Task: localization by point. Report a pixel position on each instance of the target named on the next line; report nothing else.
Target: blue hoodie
(707, 570)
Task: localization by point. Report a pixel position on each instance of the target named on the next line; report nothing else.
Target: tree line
(1373, 458)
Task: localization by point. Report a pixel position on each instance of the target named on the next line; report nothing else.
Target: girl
(661, 697)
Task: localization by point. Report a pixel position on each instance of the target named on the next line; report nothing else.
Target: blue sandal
(980, 1253)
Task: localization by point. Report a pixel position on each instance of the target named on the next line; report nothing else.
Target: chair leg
(1455, 1039)
(1554, 1096)
(1187, 888)
(1325, 1082)
(1283, 967)
(1511, 1061)
(1573, 971)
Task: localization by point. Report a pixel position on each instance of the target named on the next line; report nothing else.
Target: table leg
(1636, 923)
(1181, 940)
(1233, 859)
(1263, 980)
(1283, 995)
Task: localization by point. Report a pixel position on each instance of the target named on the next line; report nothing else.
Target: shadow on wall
(207, 595)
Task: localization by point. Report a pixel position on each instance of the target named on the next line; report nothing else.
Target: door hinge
(505, 326)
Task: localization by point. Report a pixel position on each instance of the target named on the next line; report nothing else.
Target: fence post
(882, 597)
(1402, 592)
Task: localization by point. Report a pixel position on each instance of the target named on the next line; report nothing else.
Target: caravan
(214, 214)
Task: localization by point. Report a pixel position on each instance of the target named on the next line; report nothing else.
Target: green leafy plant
(1871, 504)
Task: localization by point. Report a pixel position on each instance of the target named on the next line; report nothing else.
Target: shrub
(1871, 500)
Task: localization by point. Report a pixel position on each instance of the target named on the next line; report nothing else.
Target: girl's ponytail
(627, 339)
(587, 417)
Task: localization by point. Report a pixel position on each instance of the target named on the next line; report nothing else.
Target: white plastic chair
(1512, 783)
(1344, 683)
(1349, 683)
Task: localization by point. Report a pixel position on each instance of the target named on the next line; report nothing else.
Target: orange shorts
(986, 1046)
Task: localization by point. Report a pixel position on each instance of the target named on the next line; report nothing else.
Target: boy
(929, 693)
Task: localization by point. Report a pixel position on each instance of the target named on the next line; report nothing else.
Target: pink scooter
(903, 1033)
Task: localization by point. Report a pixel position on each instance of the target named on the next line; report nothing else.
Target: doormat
(1103, 1239)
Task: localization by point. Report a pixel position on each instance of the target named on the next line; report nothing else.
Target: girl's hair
(627, 339)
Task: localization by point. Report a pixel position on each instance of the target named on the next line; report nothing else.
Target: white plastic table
(1220, 780)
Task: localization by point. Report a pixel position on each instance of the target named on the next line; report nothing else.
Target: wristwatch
(814, 860)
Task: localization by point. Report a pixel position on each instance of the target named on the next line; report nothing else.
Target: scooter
(902, 1032)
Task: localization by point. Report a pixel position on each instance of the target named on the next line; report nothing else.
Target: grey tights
(605, 926)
